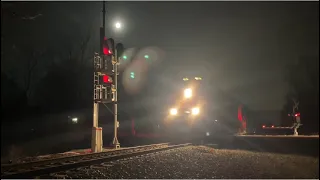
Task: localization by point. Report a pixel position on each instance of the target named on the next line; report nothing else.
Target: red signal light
(106, 79)
(263, 126)
(297, 114)
(272, 126)
(105, 49)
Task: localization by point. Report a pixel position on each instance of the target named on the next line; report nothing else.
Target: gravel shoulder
(199, 162)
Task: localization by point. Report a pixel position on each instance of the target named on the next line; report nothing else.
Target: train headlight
(188, 93)
(195, 111)
(173, 111)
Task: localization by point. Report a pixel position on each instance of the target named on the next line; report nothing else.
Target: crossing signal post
(296, 122)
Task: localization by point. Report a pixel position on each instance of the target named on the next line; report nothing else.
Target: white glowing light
(195, 111)
(74, 120)
(173, 111)
(188, 93)
(118, 25)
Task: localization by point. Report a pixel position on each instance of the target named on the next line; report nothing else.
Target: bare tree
(85, 56)
(32, 60)
(12, 16)
(20, 10)
(75, 62)
(84, 47)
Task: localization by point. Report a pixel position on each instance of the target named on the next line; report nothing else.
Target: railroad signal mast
(105, 85)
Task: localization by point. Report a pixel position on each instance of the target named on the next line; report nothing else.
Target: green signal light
(124, 57)
(132, 75)
(146, 56)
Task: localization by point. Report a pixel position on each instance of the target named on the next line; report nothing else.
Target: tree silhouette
(11, 93)
(68, 83)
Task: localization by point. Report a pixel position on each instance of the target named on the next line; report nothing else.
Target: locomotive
(188, 106)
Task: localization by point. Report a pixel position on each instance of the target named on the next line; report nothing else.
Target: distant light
(272, 126)
(74, 120)
(208, 134)
(132, 75)
(215, 120)
(263, 126)
(185, 79)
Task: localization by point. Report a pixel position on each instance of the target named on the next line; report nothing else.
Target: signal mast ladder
(102, 93)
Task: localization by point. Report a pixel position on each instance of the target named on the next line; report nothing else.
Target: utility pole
(104, 15)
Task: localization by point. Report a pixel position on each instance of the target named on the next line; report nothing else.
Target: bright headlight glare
(195, 111)
(74, 120)
(187, 93)
(173, 111)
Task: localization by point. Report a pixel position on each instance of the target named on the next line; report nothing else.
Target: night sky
(240, 47)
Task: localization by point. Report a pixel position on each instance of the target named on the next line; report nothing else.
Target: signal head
(120, 49)
(110, 44)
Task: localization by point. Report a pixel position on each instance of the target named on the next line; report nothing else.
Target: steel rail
(65, 163)
(11, 168)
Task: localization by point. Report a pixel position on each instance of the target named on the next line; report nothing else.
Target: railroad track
(37, 168)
